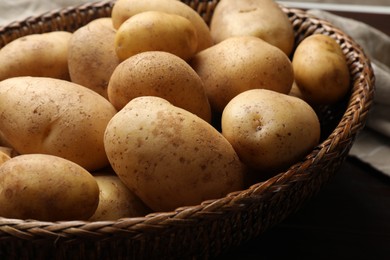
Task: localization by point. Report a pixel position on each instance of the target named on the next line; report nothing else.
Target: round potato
(169, 157)
(160, 74)
(320, 69)
(156, 31)
(52, 116)
(91, 56)
(241, 63)
(261, 18)
(47, 188)
(124, 9)
(40, 55)
(116, 200)
(270, 131)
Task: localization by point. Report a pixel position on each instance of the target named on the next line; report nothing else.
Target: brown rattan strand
(204, 230)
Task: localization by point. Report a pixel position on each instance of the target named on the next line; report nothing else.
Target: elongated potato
(40, 55)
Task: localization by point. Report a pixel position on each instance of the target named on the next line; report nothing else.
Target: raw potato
(241, 63)
(260, 18)
(159, 74)
(92, 57)
(320, 69)
(52, 116)
(47, 188)
(169, 157)
(116, 200)
(124, 9)
(41, 55)
(156, 31)
(270, 131)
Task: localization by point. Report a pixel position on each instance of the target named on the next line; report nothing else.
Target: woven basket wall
(205, 230)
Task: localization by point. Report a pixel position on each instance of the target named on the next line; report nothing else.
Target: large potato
(168, 156)
(41, 55)
(159, 74)
(261, 18)
(52, 116)
(91, 56)
(47, 188)
(124, 9)
(321, 71)
(270, 131)
(242, 63)
(156, 31)
(116, 200)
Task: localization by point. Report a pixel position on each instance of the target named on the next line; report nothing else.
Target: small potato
(320, 69)
(52, 116)
(270, 131)
(91, 56)
(169, 157)
(40, 55)
(260, 18)
(47, 188)
(116, 200)
(242, 63)
(162, 74)
(124, 9)
(156, 31)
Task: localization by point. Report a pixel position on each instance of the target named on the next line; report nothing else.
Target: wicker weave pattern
(214, 226)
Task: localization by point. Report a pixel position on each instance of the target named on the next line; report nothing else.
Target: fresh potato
(41, 55)
(320, 69)
(52, 116)
(168, 156)
(156, 31)
(124, 9)
(162, 74)
(47, 188)
(116, 200)
(91, 56)
(4, 157)
(270, 131)
(242, 63)
(261, 18)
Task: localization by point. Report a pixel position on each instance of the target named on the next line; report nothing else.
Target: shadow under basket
(213, 227)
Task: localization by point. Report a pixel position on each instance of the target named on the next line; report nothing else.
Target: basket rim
(361, 97)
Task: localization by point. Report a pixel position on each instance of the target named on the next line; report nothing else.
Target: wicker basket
(209, 229)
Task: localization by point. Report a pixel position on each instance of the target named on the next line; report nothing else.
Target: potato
(270, 131)
(116, 200)
(160, 74)
(91, 56)
(52, 116)
(320, 69)
(47, 188)
(242, 63)
(124, 9)
(261, 18)
(41, 55)
(156, 31)
(4, 157)
(168, 156)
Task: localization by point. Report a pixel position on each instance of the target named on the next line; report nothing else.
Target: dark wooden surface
(348, 219)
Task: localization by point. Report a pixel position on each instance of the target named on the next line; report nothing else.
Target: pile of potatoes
(152, 109)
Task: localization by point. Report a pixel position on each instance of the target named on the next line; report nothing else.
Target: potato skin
(40, 55)
(4, 157)
(260, 18)
(241, 63)
(320, 69)
(47, 188)
(159, 74)
(270, 131)
(156, 31)
(170, 157)
(116, 200)
(124, 9)
(52, 116)
(91, 56)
